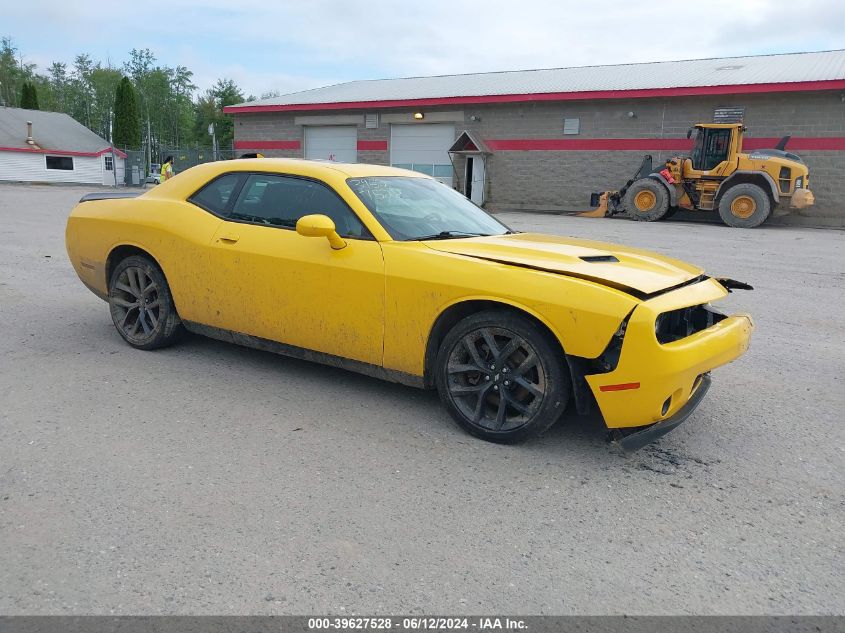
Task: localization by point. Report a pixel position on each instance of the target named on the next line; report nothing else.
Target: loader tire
(646, 200)
(745, 206)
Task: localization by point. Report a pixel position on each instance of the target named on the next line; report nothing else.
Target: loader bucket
(598, 200)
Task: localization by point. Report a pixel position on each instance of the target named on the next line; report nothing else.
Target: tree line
(169, 110)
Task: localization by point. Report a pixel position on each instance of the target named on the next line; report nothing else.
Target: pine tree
(127, 125)
(29, 96)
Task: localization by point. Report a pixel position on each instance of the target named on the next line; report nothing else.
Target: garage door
(423, 147)
(332, 142)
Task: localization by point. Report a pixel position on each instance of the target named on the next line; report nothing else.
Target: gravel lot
(212, 479)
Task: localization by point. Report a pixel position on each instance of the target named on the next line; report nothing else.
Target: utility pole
(149, 145)
(212, 132)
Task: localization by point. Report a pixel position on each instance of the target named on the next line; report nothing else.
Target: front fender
(745, 175)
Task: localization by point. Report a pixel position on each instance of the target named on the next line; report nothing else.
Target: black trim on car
(256, 342)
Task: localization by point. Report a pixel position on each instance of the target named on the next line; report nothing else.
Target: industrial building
(543, 140)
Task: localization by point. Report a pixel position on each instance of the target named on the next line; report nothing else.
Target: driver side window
(282, 200)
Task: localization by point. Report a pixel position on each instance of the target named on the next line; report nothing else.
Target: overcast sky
(291, 45)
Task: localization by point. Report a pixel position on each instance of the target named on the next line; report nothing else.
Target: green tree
(103, 84)
(62, 88)
(227, 93)
(29, 96)
(208, 109)
(127, 129)
(13, 72)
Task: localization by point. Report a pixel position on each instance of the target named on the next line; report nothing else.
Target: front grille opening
(696, 384)
(784, 179)
(679, 324)
(666, 405)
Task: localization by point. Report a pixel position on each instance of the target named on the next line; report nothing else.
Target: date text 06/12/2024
(416, 623)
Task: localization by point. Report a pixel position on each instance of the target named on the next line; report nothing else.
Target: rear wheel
(647, 200)
(745, 206)
(502, 377)
(141, 304)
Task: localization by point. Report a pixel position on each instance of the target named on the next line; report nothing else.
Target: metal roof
(51, 130)
(790, 68)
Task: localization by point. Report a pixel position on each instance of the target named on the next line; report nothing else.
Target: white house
(38, 146)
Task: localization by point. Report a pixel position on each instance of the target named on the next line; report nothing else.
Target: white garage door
(332, 142)
(423, 147)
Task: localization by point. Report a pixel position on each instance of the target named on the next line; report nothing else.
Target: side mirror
(320, 226)
(689, 133)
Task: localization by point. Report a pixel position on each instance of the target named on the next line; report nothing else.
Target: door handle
(229, 239)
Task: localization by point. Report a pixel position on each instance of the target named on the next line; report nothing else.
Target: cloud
(296, 45)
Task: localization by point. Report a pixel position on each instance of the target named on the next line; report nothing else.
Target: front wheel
(745, 206)
(141, 304)
(647, 200)
(502, 377)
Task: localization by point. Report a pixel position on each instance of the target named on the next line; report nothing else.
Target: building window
(65, 163)
(572, 126)
(109, 163)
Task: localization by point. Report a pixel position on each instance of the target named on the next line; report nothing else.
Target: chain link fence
(186, 158)
(138, 172)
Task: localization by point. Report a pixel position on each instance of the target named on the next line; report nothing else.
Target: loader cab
(715, 146)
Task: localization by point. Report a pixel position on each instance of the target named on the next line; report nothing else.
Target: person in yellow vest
(167, 169)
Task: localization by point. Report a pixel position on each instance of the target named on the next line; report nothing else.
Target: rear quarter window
(217, 195)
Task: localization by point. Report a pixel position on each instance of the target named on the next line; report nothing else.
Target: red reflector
(622, 387)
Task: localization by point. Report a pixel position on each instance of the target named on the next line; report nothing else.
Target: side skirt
(292, 351)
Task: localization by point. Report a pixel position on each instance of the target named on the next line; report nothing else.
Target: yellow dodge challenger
(390, 273)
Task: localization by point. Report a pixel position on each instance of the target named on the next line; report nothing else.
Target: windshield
(420, 208)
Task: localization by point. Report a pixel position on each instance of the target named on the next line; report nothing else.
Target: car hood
(628, 269)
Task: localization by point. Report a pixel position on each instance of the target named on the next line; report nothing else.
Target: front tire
(745, 206)
(647, 200)
(141, 305)
(502, 377)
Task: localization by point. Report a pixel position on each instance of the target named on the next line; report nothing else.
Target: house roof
(762, 73)
(53, 131)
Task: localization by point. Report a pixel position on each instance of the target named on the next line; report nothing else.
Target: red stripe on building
(587, 144)
(60, 152)
(267, 145)
(377, 146)
(689, 91)
(836, 143)
(831, 143)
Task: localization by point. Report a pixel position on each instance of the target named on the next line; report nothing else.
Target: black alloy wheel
(501, 377)
(141, 304)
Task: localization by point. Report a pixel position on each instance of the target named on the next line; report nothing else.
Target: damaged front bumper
(658, 382)
(636, 439)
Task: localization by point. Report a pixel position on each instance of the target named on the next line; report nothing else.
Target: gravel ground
(212, 479)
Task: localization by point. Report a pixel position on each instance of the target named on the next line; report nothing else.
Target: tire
(136, 279)
(524, 363)
(745, 206)
(647, 200)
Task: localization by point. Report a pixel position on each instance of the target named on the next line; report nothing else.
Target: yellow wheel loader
(745, 188)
